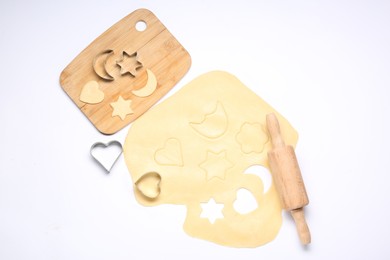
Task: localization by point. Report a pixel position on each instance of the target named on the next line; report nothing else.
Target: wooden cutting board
(126, 70)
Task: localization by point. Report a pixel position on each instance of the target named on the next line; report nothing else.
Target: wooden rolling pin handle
(302, 228)
(288, 179)
(274, 131)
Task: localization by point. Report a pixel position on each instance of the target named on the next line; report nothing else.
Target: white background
(325, 65)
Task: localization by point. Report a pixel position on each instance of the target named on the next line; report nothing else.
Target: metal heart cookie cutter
(149, 185)
(107, 158)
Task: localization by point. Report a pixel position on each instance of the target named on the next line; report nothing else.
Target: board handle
(274, 131)
(302, 228)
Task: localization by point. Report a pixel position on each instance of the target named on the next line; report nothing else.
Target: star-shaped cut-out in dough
(122, 108)
(212, 210)
(216, 165)
(129, 63)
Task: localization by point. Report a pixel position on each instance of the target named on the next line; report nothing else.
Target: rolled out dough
(200, 141)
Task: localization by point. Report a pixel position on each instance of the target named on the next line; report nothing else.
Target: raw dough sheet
(201, 141)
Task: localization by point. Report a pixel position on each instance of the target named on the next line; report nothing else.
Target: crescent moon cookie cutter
(94, 65)
(107, 160)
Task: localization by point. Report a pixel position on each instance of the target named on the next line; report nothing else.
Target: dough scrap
(208, 162)
(121, 108)
(91, 93)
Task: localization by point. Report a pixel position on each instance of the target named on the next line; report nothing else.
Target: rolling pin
(288, 179)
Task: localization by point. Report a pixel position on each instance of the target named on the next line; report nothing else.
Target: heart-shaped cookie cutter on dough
(152, 190)
(106, 145)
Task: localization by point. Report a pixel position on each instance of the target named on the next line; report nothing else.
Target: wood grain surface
(155, 48)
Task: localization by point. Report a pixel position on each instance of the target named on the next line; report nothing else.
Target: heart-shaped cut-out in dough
(91, 93)
(149, 185)
(170, 154)
(106, 154)
(245, 201)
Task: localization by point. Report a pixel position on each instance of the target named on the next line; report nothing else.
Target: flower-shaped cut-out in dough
(252, 138)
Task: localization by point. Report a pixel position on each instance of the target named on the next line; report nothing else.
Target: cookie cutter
(154, 188)
(108, 75)
(106, 145)
(133, 70)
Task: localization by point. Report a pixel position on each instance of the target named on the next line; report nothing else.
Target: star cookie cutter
(125, 67)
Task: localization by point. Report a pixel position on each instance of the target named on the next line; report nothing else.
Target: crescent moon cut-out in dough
(150, 86)
(214, 124)
(106, 75)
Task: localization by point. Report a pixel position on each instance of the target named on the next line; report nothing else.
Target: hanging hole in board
(141, 26)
